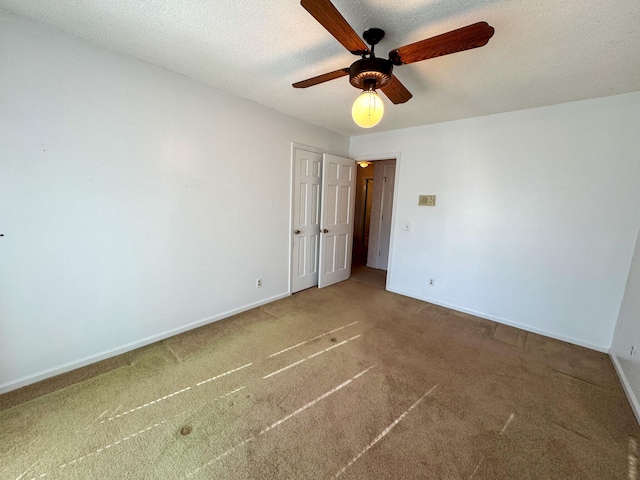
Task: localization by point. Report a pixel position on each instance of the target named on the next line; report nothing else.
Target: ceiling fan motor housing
(370, 73)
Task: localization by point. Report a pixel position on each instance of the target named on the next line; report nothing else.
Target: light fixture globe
(368, 109)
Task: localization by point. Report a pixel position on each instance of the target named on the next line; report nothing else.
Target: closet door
(336, 219)
(306, 219)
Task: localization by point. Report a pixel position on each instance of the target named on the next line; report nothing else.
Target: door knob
(325, 230)
(297, 232)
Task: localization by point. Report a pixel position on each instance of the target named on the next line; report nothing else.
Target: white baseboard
(633, 400)
(83, 362)
(504, 321)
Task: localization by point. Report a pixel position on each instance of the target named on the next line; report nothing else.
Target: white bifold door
(307, 177)
(336, 219)
(323, 208)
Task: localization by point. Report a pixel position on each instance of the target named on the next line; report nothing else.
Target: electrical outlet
(258, 282)
(432, 282)
(632, 353)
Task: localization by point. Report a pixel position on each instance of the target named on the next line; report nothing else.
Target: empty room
(319, 239)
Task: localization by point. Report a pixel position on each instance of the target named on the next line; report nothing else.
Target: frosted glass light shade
(368, 109)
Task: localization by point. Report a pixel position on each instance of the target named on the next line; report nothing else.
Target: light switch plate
(427, 200)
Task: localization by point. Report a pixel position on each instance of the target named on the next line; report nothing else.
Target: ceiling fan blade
(310, 82)
(396, 91)
(330, 18)
(465, 38)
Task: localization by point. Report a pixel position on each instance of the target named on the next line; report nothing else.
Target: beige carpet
(350, 381)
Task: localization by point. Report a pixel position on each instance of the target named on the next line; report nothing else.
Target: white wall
(536, 218)
(627, 334)
(134, 202)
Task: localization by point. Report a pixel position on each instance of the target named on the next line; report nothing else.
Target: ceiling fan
(371, 72)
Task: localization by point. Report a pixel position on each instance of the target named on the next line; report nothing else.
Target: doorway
(362, 216)
(373, 219)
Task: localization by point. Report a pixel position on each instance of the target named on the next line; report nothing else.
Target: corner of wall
(626, 385)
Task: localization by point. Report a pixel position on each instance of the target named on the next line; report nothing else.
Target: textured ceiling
(543, 52)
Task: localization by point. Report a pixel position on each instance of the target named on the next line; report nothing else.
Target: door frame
(394, 208)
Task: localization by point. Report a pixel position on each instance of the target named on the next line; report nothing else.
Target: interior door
(389, 179)
(307, 172)
(336, 219)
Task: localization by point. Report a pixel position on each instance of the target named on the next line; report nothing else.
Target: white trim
(291, 200)
(633, 400)
(394, 219)
(307, 148)
(67, 367)
(377, 156)
(504, 321)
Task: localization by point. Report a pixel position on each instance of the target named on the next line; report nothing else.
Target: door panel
(336, 217)
(302, 253)
(302, 202)
(306, 214)
(344, 207)
(343, 243)
(329, 248)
